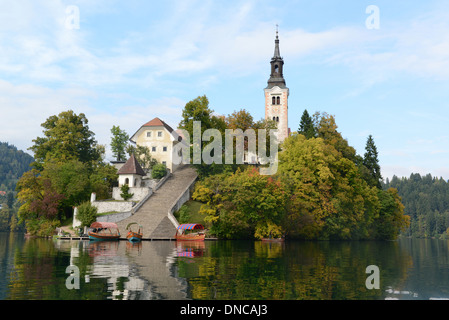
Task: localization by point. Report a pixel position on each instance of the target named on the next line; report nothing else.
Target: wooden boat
(189, 232)
(133, 236)
(104, 231)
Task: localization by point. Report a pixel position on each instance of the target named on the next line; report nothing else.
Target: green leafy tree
(5, 215)
(330, 199)
(143, 156)
(198, 110)
(66, 137)
(119, 142)
(69, 166)
(71, 179)
(102, 180)
(243, 204)
(391, 220)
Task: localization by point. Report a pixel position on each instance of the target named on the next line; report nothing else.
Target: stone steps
(153, 215)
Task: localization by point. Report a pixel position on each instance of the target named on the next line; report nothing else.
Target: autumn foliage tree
(320, 191)
(68, 167)
(243, 204)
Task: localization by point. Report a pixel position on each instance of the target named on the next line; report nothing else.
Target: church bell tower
(276, 94)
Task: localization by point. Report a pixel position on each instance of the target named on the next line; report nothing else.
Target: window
(148, 134)
(164, 149)
(278, 100)
(273, 100)
(127, 181)
(277, 119)
(164, 163)
(274, 118)
(276, 68)
(159, 133)
(153, 149)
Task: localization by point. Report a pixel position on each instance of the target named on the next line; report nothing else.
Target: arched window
(127, 181)
(277, 119)
(273, 100)
(278, 100)
(274, 118)
(276, 68)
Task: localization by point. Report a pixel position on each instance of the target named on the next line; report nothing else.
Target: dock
(143, 239)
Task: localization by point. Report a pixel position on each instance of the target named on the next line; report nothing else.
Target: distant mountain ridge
(13, 163)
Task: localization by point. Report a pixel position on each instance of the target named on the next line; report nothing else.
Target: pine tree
(371, 162)
(306, 126)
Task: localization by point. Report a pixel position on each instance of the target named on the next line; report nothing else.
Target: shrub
(184, 215)
(87, 214)
(41, 227)
(159, 171)
(125, 192)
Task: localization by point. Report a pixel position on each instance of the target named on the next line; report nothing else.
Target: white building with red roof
(160, 138)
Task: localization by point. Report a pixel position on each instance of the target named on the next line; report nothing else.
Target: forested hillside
(426, 201)
(13, 163)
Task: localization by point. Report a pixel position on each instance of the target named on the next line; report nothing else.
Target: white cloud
(23, 108)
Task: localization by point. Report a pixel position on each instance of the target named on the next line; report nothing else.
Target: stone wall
(125, 209)
(183, 198)
(138, 193)
(111, 206)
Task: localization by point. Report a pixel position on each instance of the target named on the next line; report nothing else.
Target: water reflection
(190, 249)
(409, 269)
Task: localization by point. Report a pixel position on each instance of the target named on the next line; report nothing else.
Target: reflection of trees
(39, 274)
(294, 270)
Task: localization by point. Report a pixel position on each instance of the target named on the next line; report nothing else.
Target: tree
(66, 137)
(40, 203)
(330, 199)
(143, 156)
(327, 130)
(69, 166)
(391, 219)
(198, 110)
(118, 143)
(306, 126)
(371, 162)
(71, 179)
(87, 214)
(243, 204)
(240, 120)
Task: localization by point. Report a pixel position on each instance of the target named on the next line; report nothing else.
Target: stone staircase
(153, 215)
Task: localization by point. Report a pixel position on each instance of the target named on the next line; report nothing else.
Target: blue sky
(130, 61)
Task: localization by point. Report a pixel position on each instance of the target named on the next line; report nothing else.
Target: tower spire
(277, 52)
(277, 65)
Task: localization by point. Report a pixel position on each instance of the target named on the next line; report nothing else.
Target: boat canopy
(132, 223)
(105, 225)
(190, 226)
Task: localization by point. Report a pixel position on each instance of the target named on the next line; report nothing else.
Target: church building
(276, 94)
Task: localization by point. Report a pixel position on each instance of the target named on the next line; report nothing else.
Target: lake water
(41, 269)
